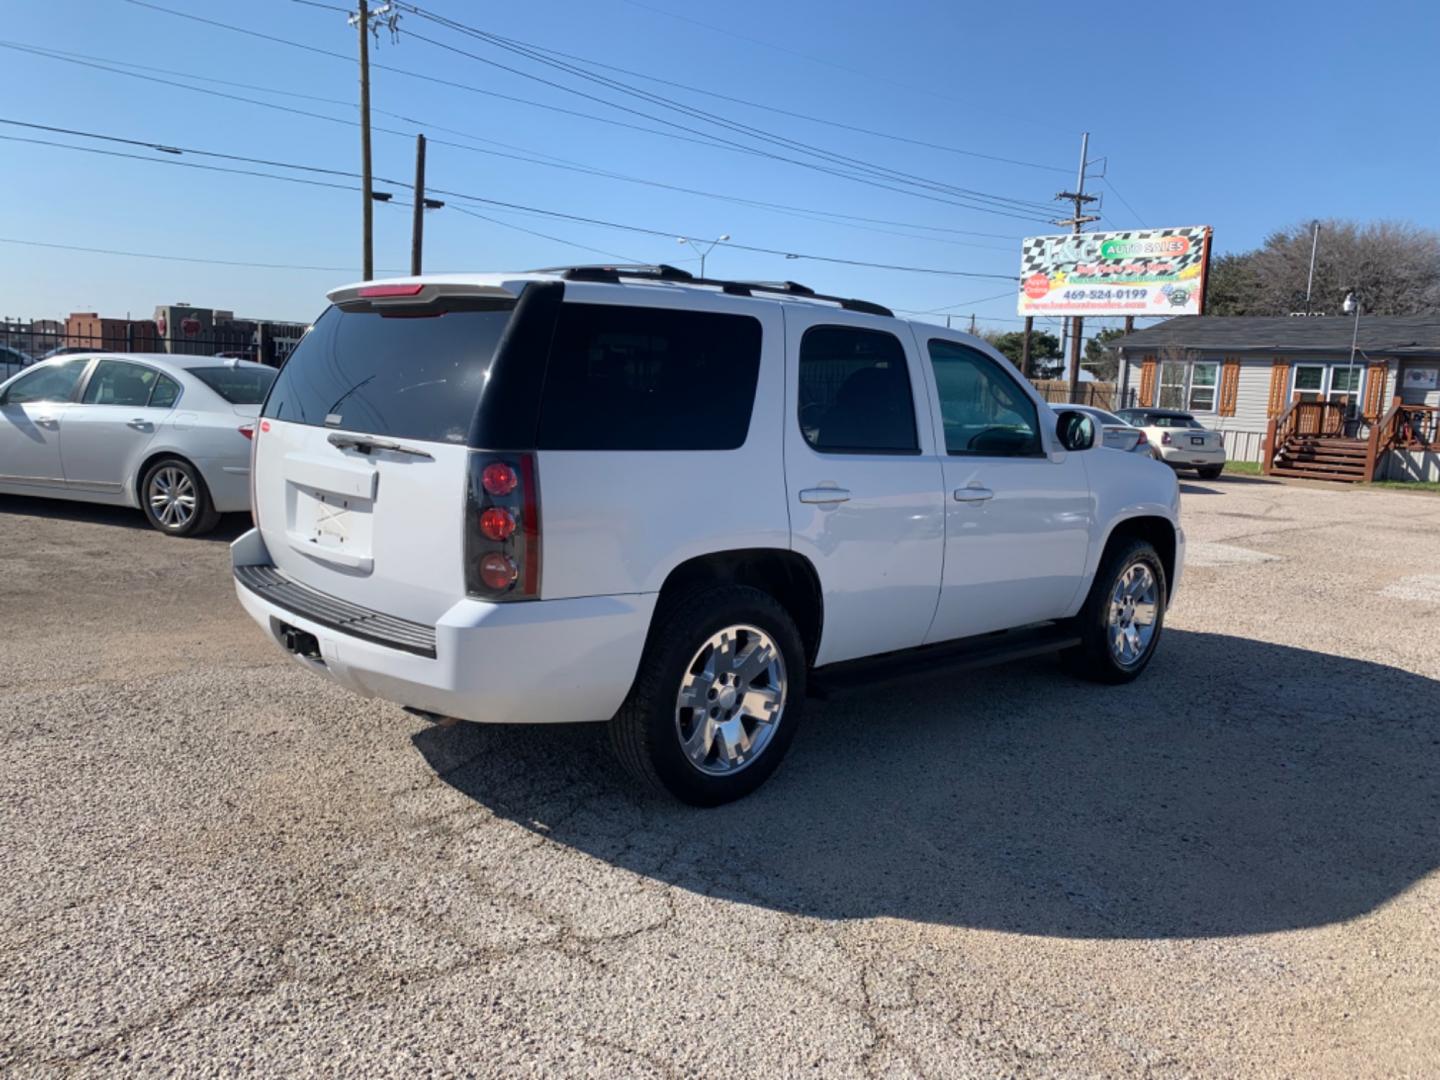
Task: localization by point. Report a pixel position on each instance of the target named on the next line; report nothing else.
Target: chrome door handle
(140, 424)
(973, 494)
(47, 421)
(823, 496)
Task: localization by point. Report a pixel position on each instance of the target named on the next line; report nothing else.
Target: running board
(962, 655)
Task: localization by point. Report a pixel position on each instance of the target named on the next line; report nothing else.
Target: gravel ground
(214, 862)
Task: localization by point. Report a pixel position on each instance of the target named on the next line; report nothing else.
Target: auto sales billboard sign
(1144, 272)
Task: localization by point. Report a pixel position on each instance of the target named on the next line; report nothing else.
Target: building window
(1203, 378)
(1191, 385)
(1328, 382)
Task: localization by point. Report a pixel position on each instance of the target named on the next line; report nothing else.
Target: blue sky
(1246, 117)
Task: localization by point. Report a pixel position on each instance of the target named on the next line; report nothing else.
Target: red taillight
(498, 571)
(1142, 440)
(502, 527)
(499, 479)
(497, 523)
(1165, 437)
(248, 430)
(377, 292)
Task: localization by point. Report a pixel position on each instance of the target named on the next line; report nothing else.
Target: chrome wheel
(172, 496)
(1134, 609)
(730, 700)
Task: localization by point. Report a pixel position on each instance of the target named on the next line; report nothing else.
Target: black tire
(1211, 472)
(1093, 659)
(202, 518)
(645, 733)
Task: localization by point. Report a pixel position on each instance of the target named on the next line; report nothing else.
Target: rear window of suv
(401, 373)
(238, 386)
(637, 378)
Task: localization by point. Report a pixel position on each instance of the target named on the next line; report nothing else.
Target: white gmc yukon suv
(624, 494)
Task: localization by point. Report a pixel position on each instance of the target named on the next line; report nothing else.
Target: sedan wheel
(175, 500)
(172, 497)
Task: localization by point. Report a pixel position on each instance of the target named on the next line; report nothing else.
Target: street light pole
(1351, 306)
(685, 240)
(1310, 280)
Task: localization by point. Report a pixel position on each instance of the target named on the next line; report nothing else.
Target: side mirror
(1075, 430)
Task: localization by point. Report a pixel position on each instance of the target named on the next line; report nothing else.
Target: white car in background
(1181, 441)
(169, 435)
(1116, 434)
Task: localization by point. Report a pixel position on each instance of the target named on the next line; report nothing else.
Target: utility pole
(417, 223)
(1025, 346)
(1077, 222)
(367, 210)
(972, 322)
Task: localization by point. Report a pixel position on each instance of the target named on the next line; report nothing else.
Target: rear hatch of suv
(362, 450)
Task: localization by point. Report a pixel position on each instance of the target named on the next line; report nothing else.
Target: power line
(182, 258)
(807, 213)
(766, 106)
(874, 171)
(708, 138)
(866, 74)
(547, 236)
(704, 138)
(1139, 220)
(579, 218)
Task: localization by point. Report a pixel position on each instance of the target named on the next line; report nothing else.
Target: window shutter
(1147, 382)
(1229, 386)
(1279, 381)
(1375, 390)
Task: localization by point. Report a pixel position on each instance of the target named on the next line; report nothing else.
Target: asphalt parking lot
(214, 862)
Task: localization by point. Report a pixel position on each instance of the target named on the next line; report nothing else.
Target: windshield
(396, 372)
(237, 385)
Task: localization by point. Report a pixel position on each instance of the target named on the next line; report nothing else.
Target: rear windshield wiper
(368, 445)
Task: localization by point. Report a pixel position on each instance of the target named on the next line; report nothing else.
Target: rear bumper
(543, 661)
(1186, 456)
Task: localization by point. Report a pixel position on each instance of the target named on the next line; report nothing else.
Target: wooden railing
(1412, 427)
(1403, 427)
(1317, 420)
(1277, 431)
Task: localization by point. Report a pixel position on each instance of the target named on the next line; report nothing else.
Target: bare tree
(1394, 266)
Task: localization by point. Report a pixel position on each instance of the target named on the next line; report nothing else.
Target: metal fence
(22, 342)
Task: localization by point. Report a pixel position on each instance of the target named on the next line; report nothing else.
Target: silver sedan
(169, 435)
(1116, 433)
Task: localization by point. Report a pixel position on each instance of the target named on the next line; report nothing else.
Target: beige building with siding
(1238, 374)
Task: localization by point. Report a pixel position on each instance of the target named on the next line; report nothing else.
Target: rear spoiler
(411, 293)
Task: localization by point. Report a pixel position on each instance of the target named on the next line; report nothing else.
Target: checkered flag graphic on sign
(1047, 254)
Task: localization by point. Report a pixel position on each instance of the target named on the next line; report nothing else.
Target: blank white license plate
(330, 520)
(1197, 442)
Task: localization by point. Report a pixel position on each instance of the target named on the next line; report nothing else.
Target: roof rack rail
(662, 272)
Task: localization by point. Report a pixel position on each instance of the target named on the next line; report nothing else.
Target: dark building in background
(90, 330)
(186, 329)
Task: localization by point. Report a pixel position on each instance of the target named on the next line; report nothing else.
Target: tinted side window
(634, 378)
(165, 394)
(53, 383)
(985, 412)
(855, 392)
(412, 373)
(115, 382)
